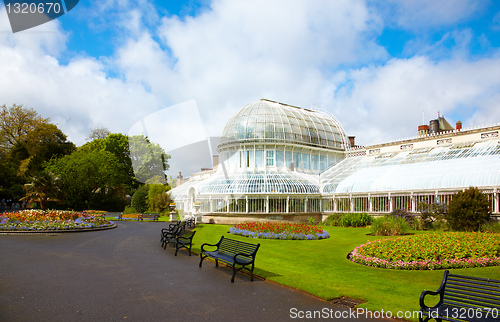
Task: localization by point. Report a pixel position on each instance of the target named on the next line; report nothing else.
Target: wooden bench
(150, 216)
(129, 216)
(463, 298)
(232, 252)
(184, 240)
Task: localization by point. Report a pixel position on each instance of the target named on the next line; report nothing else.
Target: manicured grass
(321, 268)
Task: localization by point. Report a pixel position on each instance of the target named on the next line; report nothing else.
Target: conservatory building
(283, 162)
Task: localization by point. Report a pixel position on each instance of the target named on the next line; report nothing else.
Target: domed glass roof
(269, 121)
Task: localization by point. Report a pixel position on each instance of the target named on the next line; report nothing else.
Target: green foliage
(91, 180)
(349, 220)
(158, 198)
(432, 216)
(468, 210)
(129, 210)
(310, 220)
(386, 226)
(148, 159)
(333, 220)
(140, 199)
(493, 227)
(356, 220)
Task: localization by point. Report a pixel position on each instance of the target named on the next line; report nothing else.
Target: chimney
(423, 130)
(458, 126)
(351, 140)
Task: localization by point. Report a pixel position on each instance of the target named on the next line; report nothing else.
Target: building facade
(283, 162)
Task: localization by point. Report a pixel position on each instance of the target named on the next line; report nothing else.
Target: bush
(356, 220)
(140, 199)
(348, 220)
(402, 213)
(432, 216)
(387, 226)
(333, 220)
(468, 210)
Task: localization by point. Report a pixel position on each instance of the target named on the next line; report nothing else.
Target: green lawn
(321, 268)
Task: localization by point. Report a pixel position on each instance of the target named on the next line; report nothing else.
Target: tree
(118, 144)
(98, 133)
(468, 210)
(91, 179)
(148, 159)
(43, 143)
(16, 122)
(43, 188)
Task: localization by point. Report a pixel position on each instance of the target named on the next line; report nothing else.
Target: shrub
(468, 210)
(402, 213)
(386, 226)
(349, 220)
(333, 220)
(356, 220)
(432, 216)
(140, 199)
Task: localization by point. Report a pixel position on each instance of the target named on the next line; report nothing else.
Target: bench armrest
(424, 293)
(209, 245)
(235, 257)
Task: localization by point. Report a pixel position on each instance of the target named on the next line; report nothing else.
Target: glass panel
(297, 159)
(269, 158)
(259, 158)
(280, 158)
(306, 160)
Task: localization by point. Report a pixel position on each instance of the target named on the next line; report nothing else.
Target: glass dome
(269, 121)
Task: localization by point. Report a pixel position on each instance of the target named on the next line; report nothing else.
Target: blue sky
(376, 66)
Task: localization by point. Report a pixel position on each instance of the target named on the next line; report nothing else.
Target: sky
(381, 68)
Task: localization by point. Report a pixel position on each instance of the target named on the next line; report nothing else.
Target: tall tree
(149, 160)
(16, 122)
(91, 179)
(98, 133)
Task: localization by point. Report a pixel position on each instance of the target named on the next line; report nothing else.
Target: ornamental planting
(39, 220)
(279, 230)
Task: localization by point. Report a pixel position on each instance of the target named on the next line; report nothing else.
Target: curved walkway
(123, 274)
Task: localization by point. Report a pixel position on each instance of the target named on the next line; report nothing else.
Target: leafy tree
(43, 188)
(16, 122)
(468, 210)
(140, 199)
(91, 179)
(43, 143)
(148, 159)
(118, 144)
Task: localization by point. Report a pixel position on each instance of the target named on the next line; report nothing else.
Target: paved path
(123, 274)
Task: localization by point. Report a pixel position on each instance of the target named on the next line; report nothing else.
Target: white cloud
(386, 102)
(319, 53)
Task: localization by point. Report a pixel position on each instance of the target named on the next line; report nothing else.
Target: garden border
(54, 231)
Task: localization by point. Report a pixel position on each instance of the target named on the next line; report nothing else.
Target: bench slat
(464, 291)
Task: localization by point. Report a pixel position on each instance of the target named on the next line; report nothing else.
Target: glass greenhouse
(279, 161)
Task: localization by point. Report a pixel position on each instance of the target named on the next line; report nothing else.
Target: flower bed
(278, 230)
(431, 251)
(38, 220)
